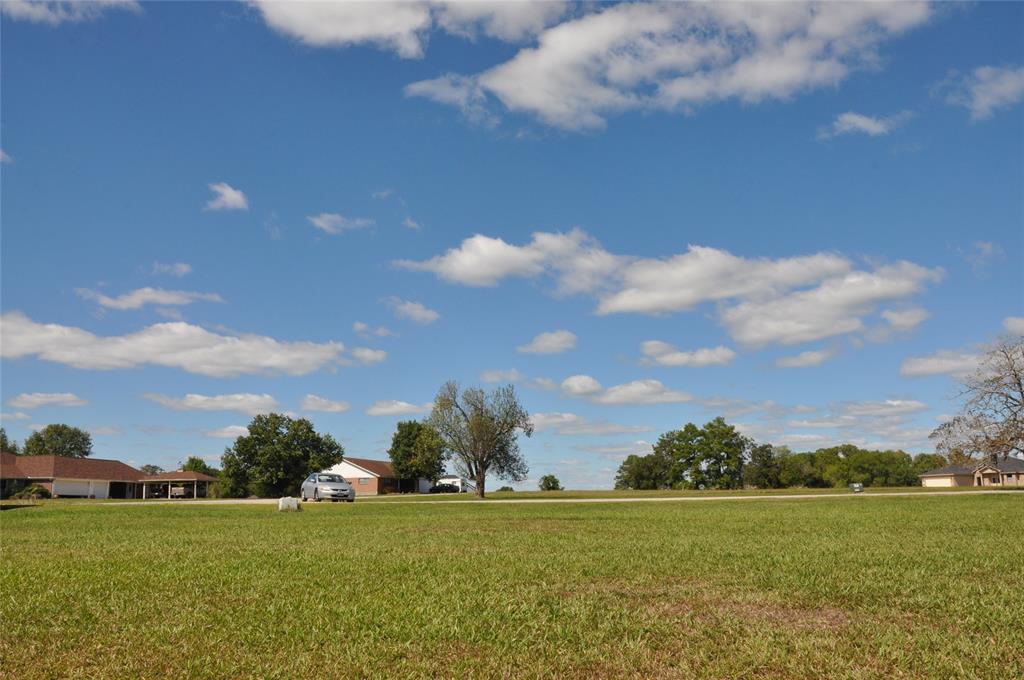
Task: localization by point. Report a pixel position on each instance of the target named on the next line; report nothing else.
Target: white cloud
(546, 384)
(381, 194)
(982, 254)
(391, 407)
(227, 198)
(889, 407)
(573, 424)
(365, 355)
(553, 342)
(906, 319)
(508, 21)
(481, 261)
(14, 416)
(664, 354)
(56, 13)
(414, 311)
(38, 399)
(499, 375)
(985, 90)
(858, 123)
(581, 385)
(410, 223)
(617, 452)
(4, 156)
(176, 269)
(311, 402)
(249, 404)
(366, 330)
(176, 345)
(105, 431)
(333, 223)
(1014, 324)
(676, 56)
(229, 432)
(141, 297)
(642, 392)
(805, 359)
(943, 362)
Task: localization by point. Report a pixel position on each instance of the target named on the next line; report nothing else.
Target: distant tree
(479, 430)
(649, 472)
(7, 445)
(764, 469)
(59, 440)
(197, 464)
(710, 457)
(990, 424)
(151, 469)
(277, 454)
(925, 462)
(417, 451)
(549, 483)
(506, 488)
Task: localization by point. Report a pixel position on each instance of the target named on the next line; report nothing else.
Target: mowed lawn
(846, 587)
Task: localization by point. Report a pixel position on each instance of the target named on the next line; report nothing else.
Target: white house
(374, 477)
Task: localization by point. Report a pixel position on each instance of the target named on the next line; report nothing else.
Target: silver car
(321, 486)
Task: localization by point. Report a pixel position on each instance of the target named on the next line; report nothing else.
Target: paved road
(656, 499)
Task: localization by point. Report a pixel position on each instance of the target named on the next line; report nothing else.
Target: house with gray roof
(1006, 472)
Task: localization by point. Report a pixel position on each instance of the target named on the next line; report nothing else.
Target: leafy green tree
(7, 445)
(151, 469)
(417, 451)
(764, 469)
(58, 440)
(277, 454)
(550, 483)
(926, 462)
(506, 488)
(479, 430)
(649, 472)
(710, 457)
(197, 464)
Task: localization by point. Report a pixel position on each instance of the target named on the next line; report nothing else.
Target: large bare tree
(479, 430)
(991, 422)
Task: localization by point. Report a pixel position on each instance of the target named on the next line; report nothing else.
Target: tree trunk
(481, 480)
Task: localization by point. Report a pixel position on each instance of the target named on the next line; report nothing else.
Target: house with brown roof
(1008, 472)
(372, 477)
(67, 477)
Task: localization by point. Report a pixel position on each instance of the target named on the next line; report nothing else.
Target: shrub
(506, 488)
(32, 492)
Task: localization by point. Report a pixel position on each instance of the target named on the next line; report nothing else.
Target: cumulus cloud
(982, 254)
(572, 424)
(249, 404)
(229, 432)
(906, 319)
(368, 356)
(508, 21)
(888, 407)
(311, 402)
(413, 311)
(176, 269)
(56, 13)
(581, 385)
(333, 223)
(365, 330)
(677, 56)
(410, 223)
(14, 416)
(760, 300)
(391, 407)
(139, 298)
(226, 198)
(943, 362)
(29, 401)
(857, 123)
(635, 392)
(175, 345)
(664, 354)
(554, 342)
(4, 156)
(617, 452)
(499, 375)
(1014, 324)
(806, 359)
(985, 90)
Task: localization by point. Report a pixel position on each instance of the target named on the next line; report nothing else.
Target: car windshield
(330, 478)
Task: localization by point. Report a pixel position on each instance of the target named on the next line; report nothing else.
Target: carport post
(168, 490)
(195, 489)
(143, 491)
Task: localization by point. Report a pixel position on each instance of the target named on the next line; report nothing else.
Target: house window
(364, 480)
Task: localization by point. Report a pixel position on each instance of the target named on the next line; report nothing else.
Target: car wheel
(351, 500)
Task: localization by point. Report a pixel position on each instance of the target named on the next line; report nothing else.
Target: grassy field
(880, 587)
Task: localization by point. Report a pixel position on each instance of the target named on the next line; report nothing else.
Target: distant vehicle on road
(320, 486)
(444, 488)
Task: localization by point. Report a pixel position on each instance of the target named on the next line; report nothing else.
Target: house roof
(377, 468)
(949, 470)
(50, 467)
(1007, 465)
(179, 476)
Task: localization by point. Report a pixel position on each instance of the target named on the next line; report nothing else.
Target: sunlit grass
(926, 586)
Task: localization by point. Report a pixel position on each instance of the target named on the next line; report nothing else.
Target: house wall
(948, 480)
(364, 485)
(80, 487)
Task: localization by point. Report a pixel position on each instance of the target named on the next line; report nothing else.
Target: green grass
(882, 587)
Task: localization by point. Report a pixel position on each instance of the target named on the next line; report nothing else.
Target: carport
(178, 484)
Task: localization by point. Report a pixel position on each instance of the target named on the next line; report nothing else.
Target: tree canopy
(549, 483)
(276, 456)
(479, 430)
(417, 451)
(7, 445)
(151, 469)
(58, 440)
(197, 464)
(991, 422)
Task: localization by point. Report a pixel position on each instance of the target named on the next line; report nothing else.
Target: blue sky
(808, 219)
